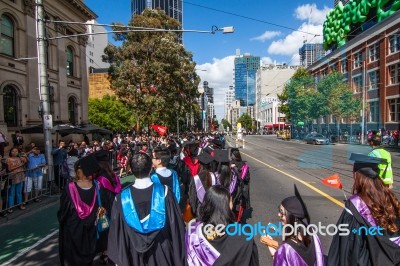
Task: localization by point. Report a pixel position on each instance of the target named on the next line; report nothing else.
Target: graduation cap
(102, 155)
(205, 158)
(221, 156)
(88, 164)
(296, 206)
(217, 142)
(367, 165)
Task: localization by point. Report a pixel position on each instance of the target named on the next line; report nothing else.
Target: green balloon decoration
(339, 21)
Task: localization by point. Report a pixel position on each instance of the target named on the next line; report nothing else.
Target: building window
(394, 43)
(72, 110)
(394, 110)
(373, 112)
(373, 51)
(333, 67)
(70, 61)
(7, 36)
(373, 79)
(357, 84)
(343, 66)
(394, 74)
(10, 102)
(357, 60)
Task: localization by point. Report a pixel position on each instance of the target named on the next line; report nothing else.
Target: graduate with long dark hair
(111, 186)
(373, 206)
(215, 249)
(298, 248)
(77, 216)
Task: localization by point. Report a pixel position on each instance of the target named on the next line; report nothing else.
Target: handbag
(102, 223)
(187, 212)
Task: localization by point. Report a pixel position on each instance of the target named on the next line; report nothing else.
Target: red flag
(160, 129)
(333, 181)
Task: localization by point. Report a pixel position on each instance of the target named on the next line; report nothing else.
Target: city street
(275, 166)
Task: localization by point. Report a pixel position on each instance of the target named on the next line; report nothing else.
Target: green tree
(102, 113)
(225, 123)
(151, 71)
(246, 121)
(284, 97)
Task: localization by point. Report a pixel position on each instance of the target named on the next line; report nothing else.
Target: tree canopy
(245, 120)
(102, 113)
(305, 100)
(151, 71)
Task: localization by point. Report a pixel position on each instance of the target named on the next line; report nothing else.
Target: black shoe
(3, 214)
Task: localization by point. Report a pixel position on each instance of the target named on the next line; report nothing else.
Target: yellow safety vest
(386, 172)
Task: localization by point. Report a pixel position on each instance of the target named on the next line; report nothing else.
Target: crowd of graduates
(183, 184)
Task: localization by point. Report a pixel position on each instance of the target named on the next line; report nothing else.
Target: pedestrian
(3, 143)
(16, 175)
(201, 182)
(299, 248)
(218, 249)
(60, 162)
(3, 185)
(373, 207)
(241, 204)
(163, 175)
(111, 186)
(34, 174)
(386, 172)
(77, 216)
(72, 158)
(146, 226)
(17, 138)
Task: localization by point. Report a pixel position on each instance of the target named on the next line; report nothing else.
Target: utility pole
(47, 119)
(363, 103)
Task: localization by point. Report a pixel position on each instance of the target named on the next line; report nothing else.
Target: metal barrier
(29, 189)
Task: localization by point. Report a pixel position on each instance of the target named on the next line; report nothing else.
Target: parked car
(316, 139)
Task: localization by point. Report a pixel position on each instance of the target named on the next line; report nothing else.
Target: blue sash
(175, 183)
(155, 221)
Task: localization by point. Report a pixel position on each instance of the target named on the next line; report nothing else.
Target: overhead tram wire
(249, 18)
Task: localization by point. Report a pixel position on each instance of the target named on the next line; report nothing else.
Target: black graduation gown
(126, 246)
(235, 250)
(107, 199)
(360, 249)
(77, 237)
(193, 200)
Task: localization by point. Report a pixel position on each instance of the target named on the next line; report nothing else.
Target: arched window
(7, 36)
(72, 110)
(10, 101)
(70, 61)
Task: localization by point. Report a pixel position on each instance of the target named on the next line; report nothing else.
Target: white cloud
(311, 13)
(266, 60)
(266, 36)
(219, 75)
(291, 43)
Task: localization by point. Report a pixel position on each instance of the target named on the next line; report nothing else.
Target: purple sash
(105, 183)
(232, 186)
(81, 207)
(199, 188)
(364, 211)
(199, 251)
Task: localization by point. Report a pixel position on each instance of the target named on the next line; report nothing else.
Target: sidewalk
(24, 228)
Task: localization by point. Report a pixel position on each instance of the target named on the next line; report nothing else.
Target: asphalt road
(275, 166)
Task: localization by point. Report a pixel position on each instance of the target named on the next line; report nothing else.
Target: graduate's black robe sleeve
(360, 250)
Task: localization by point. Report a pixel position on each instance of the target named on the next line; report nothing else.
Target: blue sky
(253, 34)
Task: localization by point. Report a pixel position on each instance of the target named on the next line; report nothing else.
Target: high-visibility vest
(386, 172)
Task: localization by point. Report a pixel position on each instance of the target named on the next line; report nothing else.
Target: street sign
(239, 125)
(48, 121)
(300, 123)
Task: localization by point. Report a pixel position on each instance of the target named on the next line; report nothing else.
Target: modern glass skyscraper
(172, 8)
(245, 78)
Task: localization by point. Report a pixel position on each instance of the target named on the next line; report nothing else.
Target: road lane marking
(26, 250)
(341, 204)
